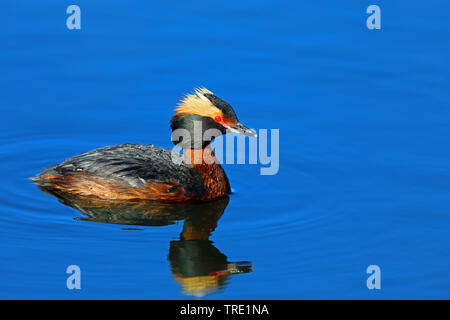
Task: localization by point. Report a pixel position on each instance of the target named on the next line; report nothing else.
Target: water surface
(364, 125)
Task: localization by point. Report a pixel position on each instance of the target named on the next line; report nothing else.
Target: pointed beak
(240, 128)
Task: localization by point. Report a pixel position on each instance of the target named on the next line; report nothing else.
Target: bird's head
(200, 117)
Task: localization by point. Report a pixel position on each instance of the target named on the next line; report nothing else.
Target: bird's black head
(202, 116)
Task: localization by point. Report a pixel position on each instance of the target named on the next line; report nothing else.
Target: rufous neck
(198, 157)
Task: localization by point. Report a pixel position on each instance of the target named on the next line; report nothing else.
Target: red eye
(218, 119)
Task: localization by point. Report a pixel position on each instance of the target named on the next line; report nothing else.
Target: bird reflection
(196, 264)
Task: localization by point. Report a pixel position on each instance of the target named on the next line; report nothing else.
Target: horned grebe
(131, 171)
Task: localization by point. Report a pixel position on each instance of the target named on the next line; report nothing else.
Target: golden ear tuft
(197, 103)
(202, 91)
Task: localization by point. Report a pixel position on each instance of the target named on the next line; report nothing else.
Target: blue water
(364, 124)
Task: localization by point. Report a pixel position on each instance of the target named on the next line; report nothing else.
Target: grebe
(146, 172)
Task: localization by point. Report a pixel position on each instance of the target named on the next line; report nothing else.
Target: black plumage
(134, 165)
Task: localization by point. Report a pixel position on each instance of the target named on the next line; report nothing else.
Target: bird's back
(127, 167)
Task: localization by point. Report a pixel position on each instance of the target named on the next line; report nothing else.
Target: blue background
(364, 123)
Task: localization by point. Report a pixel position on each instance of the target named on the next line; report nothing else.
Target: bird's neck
(200, 157)
(214, 177)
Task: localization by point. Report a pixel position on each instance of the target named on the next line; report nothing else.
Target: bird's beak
(240, 128)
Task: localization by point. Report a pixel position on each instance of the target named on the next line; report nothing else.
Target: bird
(147, 172)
